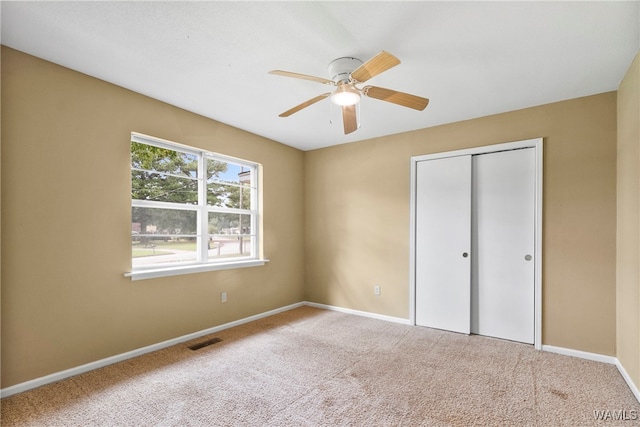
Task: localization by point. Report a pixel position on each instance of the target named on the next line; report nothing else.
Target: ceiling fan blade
(400, 98)
(302, 76)
(304, 105)
(349, 119)
(376, 65)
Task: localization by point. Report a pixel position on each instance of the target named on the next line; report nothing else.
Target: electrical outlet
(376, 289)
(223, 297)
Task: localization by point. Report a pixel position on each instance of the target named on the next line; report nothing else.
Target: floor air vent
(205, 343)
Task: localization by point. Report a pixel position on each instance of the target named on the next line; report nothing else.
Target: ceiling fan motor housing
(340, 69)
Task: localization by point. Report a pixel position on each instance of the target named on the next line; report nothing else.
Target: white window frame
(203, 263)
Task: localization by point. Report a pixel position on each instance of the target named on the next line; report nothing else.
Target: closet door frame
(536, 144)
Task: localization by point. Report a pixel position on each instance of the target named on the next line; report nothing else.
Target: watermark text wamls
(616, 415)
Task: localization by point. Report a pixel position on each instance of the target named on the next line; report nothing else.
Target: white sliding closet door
(443, 242)
(475, 243)
(503, 242)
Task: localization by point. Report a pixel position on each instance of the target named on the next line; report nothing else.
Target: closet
(475, 229)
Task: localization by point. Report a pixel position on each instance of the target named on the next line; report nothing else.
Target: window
(191, 210)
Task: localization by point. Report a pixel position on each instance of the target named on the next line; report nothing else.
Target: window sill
(176, 271)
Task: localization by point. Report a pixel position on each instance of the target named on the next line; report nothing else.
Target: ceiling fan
(346, 73)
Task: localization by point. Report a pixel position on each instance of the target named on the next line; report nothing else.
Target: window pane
(227, 172)
(228, 196)
(229, 223)
(163, 188)
(164, 252)
(229, 246)
(166, 222)
(162, 236)
(158, 159)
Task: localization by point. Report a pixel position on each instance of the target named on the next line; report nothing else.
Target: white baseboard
(597, 358)
(627, 378)
(38, 382)
(359, 313)
(611, 360)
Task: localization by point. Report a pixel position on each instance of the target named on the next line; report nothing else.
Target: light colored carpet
(311, 367)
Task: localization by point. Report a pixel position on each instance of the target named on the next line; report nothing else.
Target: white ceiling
(470, 59)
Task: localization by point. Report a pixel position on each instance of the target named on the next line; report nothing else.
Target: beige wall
(357, 216)
(628, 241)
(65, 223)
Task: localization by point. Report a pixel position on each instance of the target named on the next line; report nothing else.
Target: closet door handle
(528, 257)
(465, 254)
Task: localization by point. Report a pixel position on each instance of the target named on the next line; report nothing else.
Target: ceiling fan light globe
(345, 98)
